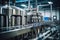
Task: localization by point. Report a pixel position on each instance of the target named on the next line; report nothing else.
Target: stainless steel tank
(3, 20)
(16, 20)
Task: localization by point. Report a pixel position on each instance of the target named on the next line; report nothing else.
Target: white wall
(46, 13)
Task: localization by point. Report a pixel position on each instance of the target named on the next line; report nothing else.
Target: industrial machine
(23, 24)
(16, 20)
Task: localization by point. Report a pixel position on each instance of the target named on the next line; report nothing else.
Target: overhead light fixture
(50, 2)
(23, 5)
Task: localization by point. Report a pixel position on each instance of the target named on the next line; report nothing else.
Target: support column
(51, 12)
(23, 17)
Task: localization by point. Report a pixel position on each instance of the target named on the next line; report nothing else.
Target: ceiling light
(23, 5)
(50, 2)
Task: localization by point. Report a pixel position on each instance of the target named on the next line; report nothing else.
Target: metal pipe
(29, 4)
(1, 10)
(36, 5)
(9, 2)
(51, 10)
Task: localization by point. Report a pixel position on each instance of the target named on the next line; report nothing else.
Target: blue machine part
(36, 24)
(46, 18)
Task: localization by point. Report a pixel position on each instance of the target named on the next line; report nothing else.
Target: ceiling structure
(56, 3)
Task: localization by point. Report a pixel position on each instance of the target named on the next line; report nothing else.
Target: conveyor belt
(16, 28)
(45, 35)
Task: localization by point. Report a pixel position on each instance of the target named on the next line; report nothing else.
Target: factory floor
(29, 35)
(54, 36)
